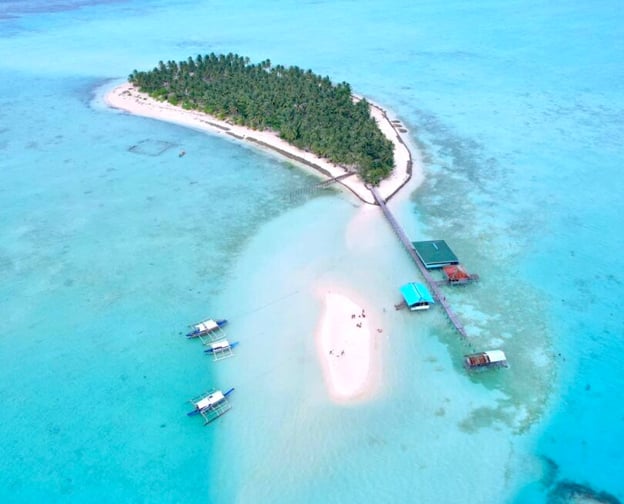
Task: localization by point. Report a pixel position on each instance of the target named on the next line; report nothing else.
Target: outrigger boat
(492, 358)
(221, 349)
(205, 328)
(211, 405)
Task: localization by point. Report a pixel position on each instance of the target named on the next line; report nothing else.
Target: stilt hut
(416, 296)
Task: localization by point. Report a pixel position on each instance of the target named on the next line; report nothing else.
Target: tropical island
(372, 149)
(165, 94)
(304, 109)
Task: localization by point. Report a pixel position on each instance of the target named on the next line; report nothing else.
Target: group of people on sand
(331, 352)
(358, 324)
(363, 315)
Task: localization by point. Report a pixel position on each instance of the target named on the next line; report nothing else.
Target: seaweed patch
(567, 492)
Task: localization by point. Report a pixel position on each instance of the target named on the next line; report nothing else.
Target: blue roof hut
(416, 296)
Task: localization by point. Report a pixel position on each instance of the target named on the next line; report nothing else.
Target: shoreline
(127, 98)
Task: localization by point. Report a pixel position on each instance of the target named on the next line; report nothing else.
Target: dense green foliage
(306, 110)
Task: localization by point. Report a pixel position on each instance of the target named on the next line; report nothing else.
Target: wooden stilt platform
(433, 284)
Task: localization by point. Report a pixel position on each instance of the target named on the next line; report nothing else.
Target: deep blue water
(110, 244)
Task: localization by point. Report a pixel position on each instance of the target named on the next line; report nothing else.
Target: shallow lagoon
(107, 253)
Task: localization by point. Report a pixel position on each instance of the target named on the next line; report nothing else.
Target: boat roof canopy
(209, 400)
(415, 293)
(220, 344)
(496, 355)
(207, 325)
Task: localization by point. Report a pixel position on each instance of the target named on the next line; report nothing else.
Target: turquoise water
(110, 244)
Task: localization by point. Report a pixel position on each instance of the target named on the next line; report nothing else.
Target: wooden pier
(433, 284)
(304, 191)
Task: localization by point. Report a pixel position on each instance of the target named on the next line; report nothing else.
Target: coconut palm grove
(305, 109)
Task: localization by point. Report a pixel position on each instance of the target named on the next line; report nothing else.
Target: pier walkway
(318, 186)
(433, 284)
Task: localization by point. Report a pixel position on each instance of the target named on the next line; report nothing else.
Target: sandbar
(127, 98)
(345, 340)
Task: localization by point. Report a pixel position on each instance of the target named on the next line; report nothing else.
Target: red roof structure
(456, 274)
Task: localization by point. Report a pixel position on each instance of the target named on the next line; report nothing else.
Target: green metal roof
(435, 253)
(415, 293)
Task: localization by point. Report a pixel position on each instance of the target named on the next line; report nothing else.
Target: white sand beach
(345, 340)
(127, 98)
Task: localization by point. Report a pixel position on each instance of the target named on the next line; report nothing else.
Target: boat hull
(234, 344)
